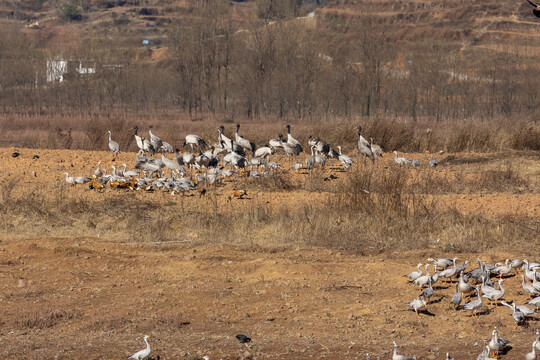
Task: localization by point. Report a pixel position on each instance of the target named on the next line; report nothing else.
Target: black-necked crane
(264, 152)
(148, 147)
(245, 143)
(222, 139)
(293, 141)
(194, 140)
(138, 139)
(276, 143)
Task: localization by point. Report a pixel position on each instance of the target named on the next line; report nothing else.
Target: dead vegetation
(46, 318)
(368, 210)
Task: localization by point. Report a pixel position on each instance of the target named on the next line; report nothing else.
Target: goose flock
(476, 284)
(205, 164)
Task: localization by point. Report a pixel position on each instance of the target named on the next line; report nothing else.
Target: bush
(72, 12)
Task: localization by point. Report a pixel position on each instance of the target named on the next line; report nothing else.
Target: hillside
(500, 25)
(128, 22)
(486, 24)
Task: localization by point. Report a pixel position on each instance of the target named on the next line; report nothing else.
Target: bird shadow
(436, 301)
(440, 287)
(426, 312)
(507, 276)
(483, 312)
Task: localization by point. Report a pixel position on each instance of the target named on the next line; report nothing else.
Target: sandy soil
(66, 298)
(95, 298)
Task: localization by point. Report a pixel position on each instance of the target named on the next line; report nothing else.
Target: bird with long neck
(144, 353)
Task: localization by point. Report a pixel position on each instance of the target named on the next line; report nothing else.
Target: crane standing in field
(155, 140)
(113, 145)
(293, 141)
(364, 147)
(240, 140)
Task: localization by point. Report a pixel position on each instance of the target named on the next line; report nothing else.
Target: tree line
(285, 69)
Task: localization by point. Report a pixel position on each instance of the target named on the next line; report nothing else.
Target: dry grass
(368, 212)
(46, 318)
(391, 134)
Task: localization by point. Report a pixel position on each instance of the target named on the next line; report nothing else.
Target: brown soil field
(79, 291)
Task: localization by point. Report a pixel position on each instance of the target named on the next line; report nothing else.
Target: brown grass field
(309, 266)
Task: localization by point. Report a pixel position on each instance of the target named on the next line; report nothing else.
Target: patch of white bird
(482, 287)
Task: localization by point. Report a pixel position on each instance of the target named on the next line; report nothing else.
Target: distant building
(59, 70)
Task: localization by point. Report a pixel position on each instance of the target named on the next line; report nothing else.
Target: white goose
(413, 275)
(449, 272)
(401, 160)
(536, 283)
(345, 160)
(535, 302)
(424, 279)
(475, 304)
(417, 304)
(503, 269)
(456, 298)
(144, 353)
(495, 294)
(396, 356)
(464, 286)
(529, 269)
(443, 263)
(496, 344)
(98, 172)
(528, 287)
(532, 355)
(72, 180)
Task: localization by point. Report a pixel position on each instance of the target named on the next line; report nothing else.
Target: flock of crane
(482, 288)
(208, 163)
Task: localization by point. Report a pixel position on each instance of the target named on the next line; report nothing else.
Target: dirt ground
(73, 297)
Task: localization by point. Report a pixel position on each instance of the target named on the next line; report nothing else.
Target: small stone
(21, 283)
